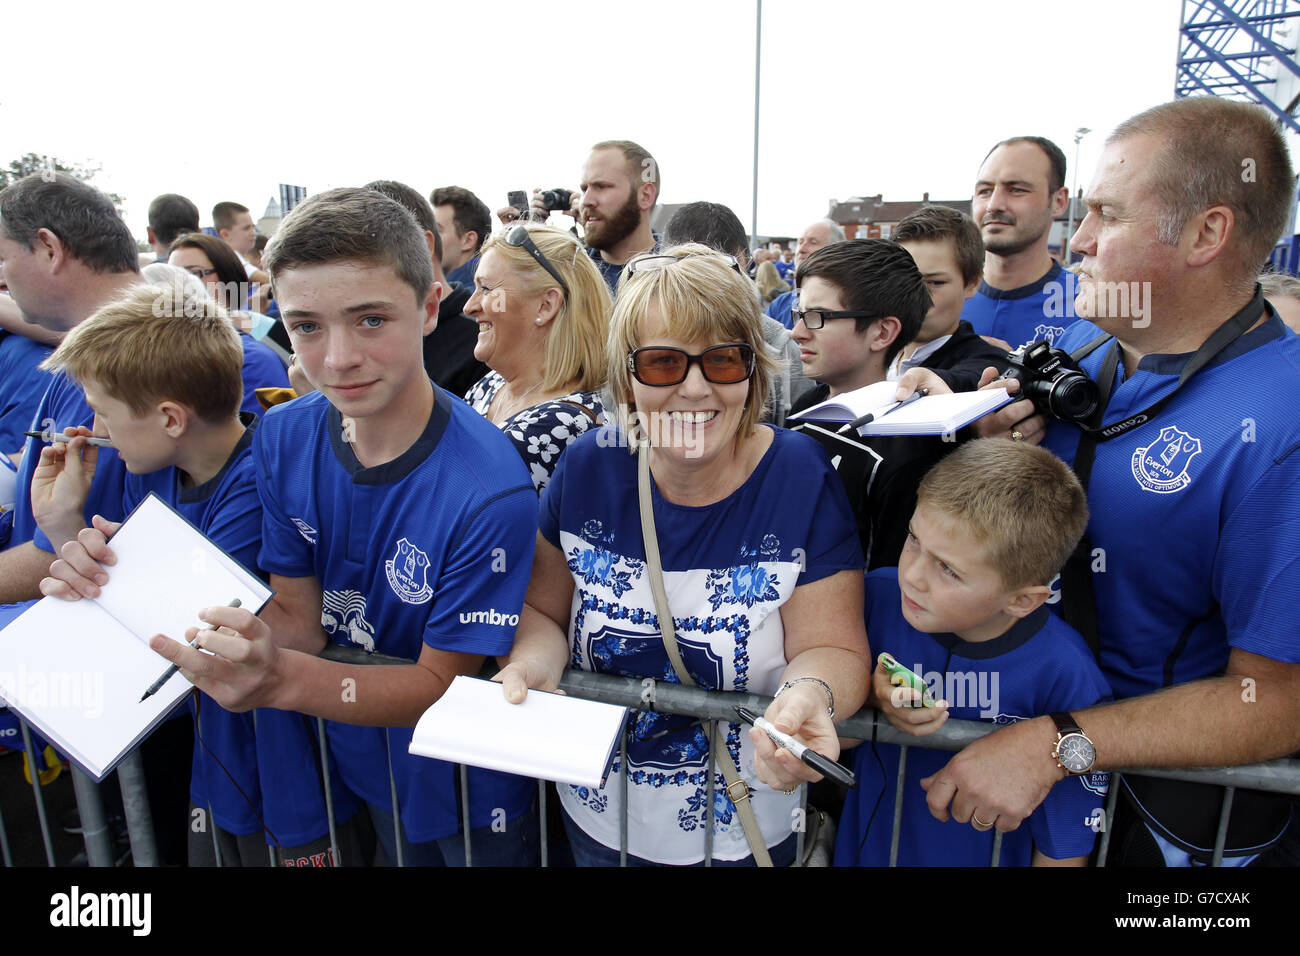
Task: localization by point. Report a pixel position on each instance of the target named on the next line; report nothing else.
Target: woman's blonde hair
(575, 347)
(700, 298)
(769, 282)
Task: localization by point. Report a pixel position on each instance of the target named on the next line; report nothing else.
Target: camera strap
(1078, 602)
(1223, 336)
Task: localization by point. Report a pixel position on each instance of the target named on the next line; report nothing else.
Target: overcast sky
(225, 101)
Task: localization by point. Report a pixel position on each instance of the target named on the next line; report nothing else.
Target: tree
(30, 163)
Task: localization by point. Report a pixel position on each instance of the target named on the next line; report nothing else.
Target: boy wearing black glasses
(858, 303)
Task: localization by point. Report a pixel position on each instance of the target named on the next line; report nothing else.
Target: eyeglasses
(721, 364)
(815, 318)
(198, 272)
(518, 236)
(652, 262)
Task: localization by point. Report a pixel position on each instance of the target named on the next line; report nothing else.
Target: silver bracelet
(830, 697)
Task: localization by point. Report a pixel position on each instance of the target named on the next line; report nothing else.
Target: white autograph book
(75, 670)
(549, 736)
(931, 415)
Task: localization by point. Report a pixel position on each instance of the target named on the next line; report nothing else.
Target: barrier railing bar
(463, 773)
(898, 806)
(542, 845)
(135, 808)
(397, 810)
(1281, 775)
(1221, 838)
(1112, 799)
(5, 855)
(329, 793)
(622, 783)
(270, 850)
(709, 728)
(803, 825)
(94, 826)
(30, 755)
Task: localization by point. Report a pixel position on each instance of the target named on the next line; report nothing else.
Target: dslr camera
(557, 200)
(1053, 382)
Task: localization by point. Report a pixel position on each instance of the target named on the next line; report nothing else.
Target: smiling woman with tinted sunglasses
(760, 564)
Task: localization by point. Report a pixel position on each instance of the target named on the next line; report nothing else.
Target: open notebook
(549, 736)
(75, 670)
(931, 415)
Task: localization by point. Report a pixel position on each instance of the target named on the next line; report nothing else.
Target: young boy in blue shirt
(163, 378)
(964, 609)
(392, 515)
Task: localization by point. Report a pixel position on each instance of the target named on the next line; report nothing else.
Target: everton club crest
(1161, 467)
(408, 571)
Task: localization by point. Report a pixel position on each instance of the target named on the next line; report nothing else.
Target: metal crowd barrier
(1282, 776)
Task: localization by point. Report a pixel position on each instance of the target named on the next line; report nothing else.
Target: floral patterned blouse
(541, 432)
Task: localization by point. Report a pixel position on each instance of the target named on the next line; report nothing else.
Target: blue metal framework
(1224, 49)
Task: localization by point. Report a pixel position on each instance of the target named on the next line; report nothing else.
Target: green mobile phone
(900, 676)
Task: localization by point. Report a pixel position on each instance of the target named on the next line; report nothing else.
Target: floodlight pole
(1079, 134)
(758, 53)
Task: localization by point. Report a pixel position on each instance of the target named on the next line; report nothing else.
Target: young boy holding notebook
(164, 382)
(395, 517)
(964, 609)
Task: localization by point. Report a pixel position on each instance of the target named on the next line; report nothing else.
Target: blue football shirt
(433, 548)
(1042, 310)
(1040, 666)
(1195, 524)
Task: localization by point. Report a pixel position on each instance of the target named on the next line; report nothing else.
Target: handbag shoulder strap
(737, 789)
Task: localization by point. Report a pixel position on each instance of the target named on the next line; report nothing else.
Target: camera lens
(1072, 397)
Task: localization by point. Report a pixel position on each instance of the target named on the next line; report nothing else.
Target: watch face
(1076, 753)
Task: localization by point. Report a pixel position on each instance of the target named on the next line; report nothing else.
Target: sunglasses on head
(649, 263)
(518, 236)
(721, 364)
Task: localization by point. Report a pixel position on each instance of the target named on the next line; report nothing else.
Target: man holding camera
(620, 186)
(1192, 462)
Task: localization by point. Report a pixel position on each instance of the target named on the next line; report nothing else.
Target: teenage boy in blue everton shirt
(994, 521)
(1195, 503)
(393, 514)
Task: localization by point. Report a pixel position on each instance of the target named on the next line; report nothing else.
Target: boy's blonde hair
(700, 298)
(1021, 503)
(575, 347)
(159, 343)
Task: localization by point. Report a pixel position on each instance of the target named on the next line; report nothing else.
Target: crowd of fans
(368, 407)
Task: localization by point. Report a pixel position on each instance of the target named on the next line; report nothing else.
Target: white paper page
(166, 572)
(77, 676)
(858, 402)
(936, 414)
(549, 736)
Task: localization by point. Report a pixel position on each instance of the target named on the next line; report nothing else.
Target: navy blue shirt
(21, 386)
(1042, 310)
(1195, 514)
(1040, 666)
(417, 551)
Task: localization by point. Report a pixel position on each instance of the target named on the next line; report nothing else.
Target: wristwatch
(1074, 752)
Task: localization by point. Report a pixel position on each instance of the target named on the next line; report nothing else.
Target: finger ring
(980, 824)
(1017, 435)
(791, 790)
